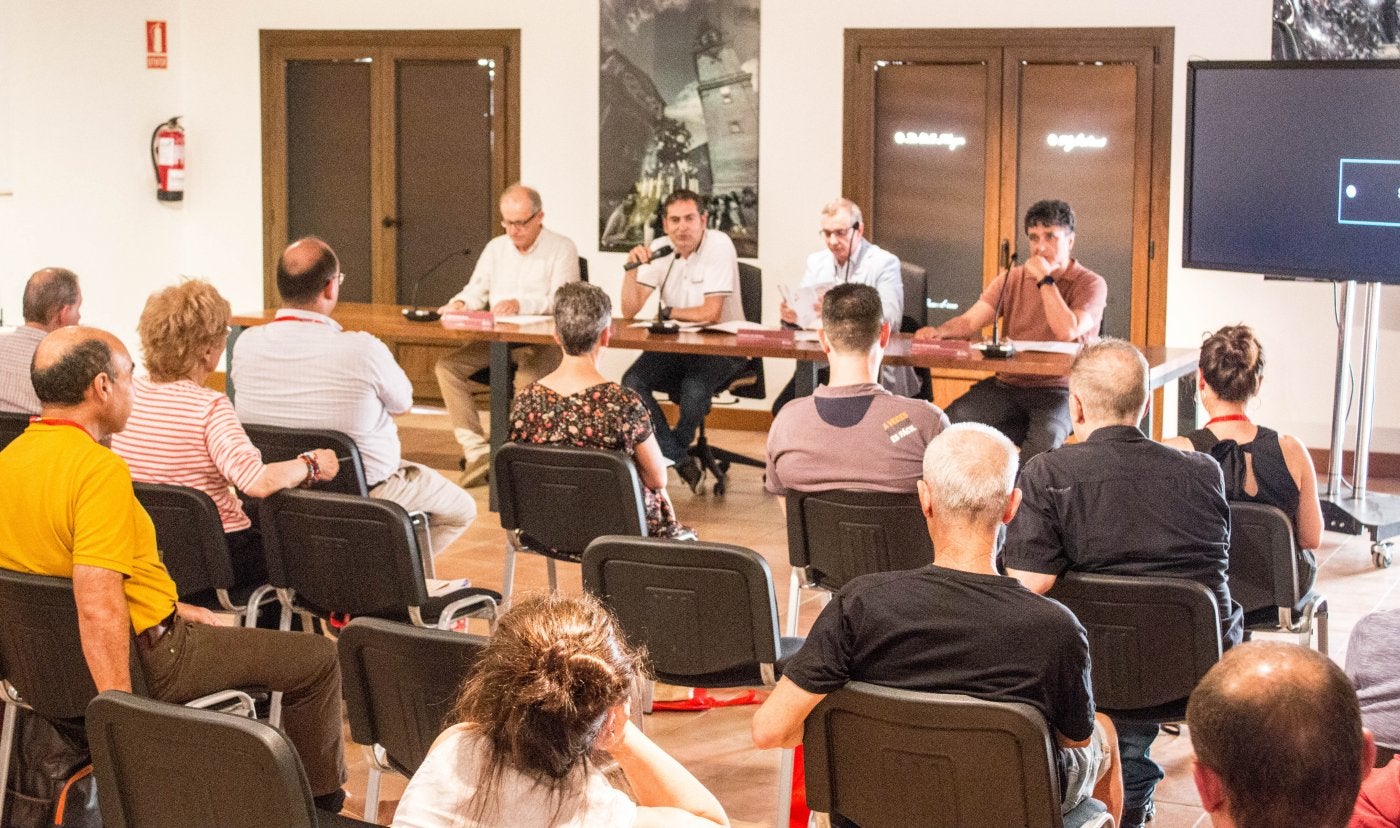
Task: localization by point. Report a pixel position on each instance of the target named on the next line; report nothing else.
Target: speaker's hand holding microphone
(641, 254)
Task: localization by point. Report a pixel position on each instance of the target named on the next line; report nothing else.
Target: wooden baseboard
(1382, 465)
(733, 418)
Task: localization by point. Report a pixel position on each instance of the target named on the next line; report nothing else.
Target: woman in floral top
(577, 406)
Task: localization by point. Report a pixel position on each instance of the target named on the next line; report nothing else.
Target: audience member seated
(52, 300)
(1051, 297)
(302, 370)
(1373, 664)
(548, 694)
(850, 258)
(851, 433)
(518, 272)
(957, 626)
(70, 512)
(1278, 740)
(184, 434)
(575, 405)
(1260, 465)
(1116, 502)
(698, 282)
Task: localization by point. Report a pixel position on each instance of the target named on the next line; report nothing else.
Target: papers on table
(1046, 346)
(734, 326)
(524, 318)
(681, 326)
(806, 302)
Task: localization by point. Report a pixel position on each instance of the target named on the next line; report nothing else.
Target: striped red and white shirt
(188, 435)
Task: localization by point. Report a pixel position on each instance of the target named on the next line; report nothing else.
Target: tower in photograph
(730, 104)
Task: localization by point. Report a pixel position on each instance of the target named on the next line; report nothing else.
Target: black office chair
(335, 555)
(705, 612)
(555, 500)
(12, 424)
(278, 443)
(1151, 640)
(400, 685)
(916, 316)
(582, 269)
(1271, 577)
(161, 765)
(195, 552)
(745, 382)
(875, 756)
(835, 535)
(42, 667)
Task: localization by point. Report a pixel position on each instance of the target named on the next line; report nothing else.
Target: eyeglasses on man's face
(520, 225)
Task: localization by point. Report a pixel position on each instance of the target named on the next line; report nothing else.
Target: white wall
(78, 71)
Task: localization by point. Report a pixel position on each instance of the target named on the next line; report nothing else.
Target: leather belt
(151, 636)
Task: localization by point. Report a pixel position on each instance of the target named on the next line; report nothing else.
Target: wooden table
(386, 322)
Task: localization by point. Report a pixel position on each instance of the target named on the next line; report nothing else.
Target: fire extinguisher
(168, 160)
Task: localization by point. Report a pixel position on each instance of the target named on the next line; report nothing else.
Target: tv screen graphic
(1293, 169)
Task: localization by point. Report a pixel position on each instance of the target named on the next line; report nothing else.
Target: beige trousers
(417, 488)
(458, 391)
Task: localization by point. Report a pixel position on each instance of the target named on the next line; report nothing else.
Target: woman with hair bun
(1260, 465)
(550, 692)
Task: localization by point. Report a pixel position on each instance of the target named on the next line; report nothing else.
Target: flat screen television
(1293, 169)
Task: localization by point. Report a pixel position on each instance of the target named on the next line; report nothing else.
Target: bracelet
(313, 469)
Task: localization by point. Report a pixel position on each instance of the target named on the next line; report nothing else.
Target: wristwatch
(1048, 280)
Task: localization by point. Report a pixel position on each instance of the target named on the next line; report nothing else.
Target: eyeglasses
(338, 278)
(516, 225)
(841, 234)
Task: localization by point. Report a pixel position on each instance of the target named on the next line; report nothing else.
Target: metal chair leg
(553, 575)
(7, 746)
(794, 603)
(508, 578)
(372, 786)
(783, 811)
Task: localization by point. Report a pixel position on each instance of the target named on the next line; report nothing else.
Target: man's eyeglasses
(842, 234)
(338, 278)
(516, 225)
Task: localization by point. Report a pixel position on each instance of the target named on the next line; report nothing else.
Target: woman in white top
(548, 694)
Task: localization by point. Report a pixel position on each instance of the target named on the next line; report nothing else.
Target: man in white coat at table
(518, 273)
(698, 281)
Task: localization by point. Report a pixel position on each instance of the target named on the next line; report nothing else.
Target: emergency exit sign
(157, 46)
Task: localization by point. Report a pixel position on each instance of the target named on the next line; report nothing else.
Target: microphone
(663, 250)
(661, 324)
(996, 349)
(417, 314)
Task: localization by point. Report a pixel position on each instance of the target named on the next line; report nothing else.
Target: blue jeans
(690, 380)
(1140, 773)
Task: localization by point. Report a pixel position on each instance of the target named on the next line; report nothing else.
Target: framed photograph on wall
(677, 108)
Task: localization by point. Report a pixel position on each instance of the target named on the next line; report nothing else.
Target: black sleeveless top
(1274, 483)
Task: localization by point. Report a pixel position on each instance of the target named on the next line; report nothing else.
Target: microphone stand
(662, 324)
(417, 314)
(996, 349)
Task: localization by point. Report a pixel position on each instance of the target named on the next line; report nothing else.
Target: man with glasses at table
(851, 258)
(1051, 297)
(517, 273)
(698, 281)
(303, 371)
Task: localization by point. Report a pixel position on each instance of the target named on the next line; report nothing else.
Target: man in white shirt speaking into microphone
(696, 272)
(518, 273)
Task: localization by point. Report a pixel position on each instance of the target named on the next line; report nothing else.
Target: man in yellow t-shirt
(70, 511)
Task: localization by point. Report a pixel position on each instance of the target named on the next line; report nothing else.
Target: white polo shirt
(712, 269)
(530, 278)
(306, 372)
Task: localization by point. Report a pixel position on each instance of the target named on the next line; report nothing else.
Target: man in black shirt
(1118, 503)
(958, 627)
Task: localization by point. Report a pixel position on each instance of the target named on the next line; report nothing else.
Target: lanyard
(57, 422)
(1227, 418)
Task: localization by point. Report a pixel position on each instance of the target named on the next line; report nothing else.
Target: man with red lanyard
(70, 512)
(303, 371)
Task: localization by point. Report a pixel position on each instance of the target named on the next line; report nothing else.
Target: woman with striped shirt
(185, 434)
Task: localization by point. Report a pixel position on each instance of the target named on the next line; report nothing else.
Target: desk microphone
(663, 250)
(996, 349)
(417, 314)
(662, 324)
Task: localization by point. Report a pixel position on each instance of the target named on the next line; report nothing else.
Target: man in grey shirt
(852, 433)
(52, 300)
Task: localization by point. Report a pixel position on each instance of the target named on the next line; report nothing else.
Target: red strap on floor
(701, 699)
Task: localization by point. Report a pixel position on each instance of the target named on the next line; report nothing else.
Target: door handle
(390, 222)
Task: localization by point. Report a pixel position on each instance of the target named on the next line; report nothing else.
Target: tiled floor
(715, 744)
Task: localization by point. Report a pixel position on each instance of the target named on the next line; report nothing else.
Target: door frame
(1151, 225)
(277, 47)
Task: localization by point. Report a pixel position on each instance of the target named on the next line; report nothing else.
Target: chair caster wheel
(718, 488)
(1382, 554)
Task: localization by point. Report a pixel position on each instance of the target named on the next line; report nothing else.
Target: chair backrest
(751, 291)
(838, 534)
(883, 757)
(562, 497)
(400, 684)
(915, 297)
(1263, 557)
(12, 424)
(705, 611)
(748, 381)
(161, 765)
(582, 269)
(40, 648)
(278, 443)
(190, 536)
(1150, 639)
(343, 553)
